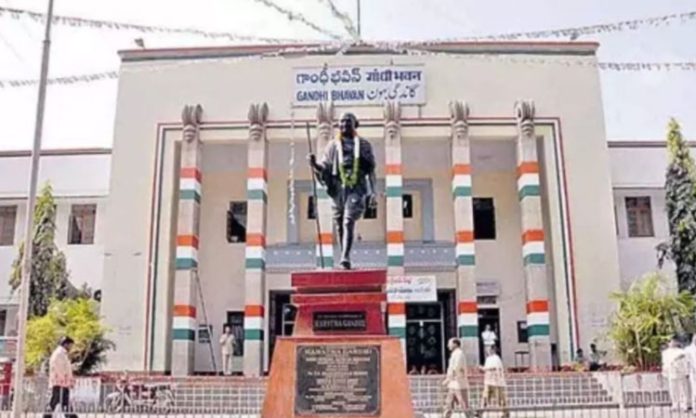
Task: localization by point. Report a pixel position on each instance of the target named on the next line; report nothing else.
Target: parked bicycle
(140, 397)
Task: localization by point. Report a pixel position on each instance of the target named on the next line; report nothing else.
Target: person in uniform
(227, 343)
(347, 170)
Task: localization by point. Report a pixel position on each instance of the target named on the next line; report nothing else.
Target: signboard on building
(359, 85)
(411, 289)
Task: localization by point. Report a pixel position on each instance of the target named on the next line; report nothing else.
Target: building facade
(494, 176)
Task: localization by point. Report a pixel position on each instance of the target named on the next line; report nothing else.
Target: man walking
(494, 382)
(60, 378)
(456, 380)
(690, 352)
(675, 369)
(227, 343)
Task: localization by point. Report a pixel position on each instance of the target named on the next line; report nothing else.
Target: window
(235, 319)
(484, 218)
(8, 219)
(311, 209)
(82, 219)
(407, 201)
(639, 215)
(236, 222)
(205, 333)
(3, 321)
(522, 332)
(371, 212)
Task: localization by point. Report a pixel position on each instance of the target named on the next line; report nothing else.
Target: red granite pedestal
(339, 362)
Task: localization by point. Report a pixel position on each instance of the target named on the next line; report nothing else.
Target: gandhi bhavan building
(493, 177)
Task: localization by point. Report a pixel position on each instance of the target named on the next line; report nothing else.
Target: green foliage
(77, 318)
(680, 204)
(49, 274)
(648, 315)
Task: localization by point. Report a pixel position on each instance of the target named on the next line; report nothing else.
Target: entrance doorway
(428, 327)
(488, 316)
(281, 319)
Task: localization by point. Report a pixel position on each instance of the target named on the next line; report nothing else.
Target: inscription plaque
(337, 380)
(339, 321)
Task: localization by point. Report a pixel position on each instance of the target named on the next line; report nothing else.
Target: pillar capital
(325, 122)
(459, 118)
(392, 120)
(258, 117)
(524, 113)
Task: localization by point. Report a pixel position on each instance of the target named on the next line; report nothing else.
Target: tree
(49, 274)
(649, 314)
(78, 318)
(680, 204)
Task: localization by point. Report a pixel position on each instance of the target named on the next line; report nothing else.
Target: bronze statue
(347, 170)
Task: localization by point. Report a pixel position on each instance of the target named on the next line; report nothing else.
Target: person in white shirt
(675, 368)
(489, 338)
(60, 378)
(690, 352)
(227, 343)
(456, 381)
(494, 381)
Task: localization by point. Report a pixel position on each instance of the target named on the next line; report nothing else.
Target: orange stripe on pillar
(533, 235)
(528, 167)
(461, 169)
(468, 307)
(395, 237)
(253, 310)
(465, 236)
(256, 173)
(326, 238)
(537, 306)
(187, 241)
(393, 169)
(191, 173)
(185, 310)
(396, 309)
(256, 240)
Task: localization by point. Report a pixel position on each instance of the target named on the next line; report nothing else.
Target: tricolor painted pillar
(394, 214)
(467, 309)
(184, 322)
(533, 253)
(324, 246)
(255, 263)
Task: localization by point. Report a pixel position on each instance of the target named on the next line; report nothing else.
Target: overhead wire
(343, 18)
(298, 17)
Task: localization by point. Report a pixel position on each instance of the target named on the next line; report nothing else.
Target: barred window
(8, 219)
(639, 215)
(82, 221)
(236, 222)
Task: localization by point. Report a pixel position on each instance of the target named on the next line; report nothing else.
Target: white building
(80, 182)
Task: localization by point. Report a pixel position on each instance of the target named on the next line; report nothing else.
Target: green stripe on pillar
(256, 195)
(394, 191)
(255, 263)
(398, 332)
(184, 335)
(395, 260)
(468, 331)
(253, 335)
(532, 259)
(466, 260)
(528, 190)
(186, 263)
(538, 330)
(328, 261)
(189, 195)
(462, 191)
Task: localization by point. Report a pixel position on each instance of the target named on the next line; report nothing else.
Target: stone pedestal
(339, 362)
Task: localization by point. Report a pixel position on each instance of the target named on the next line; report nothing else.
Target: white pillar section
(325, 119)
(533, 252)
(467, 309)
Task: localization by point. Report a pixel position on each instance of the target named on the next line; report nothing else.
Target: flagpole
(17, 405)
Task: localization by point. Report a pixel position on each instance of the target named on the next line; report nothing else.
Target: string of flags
(343, 18)
(338, 47)
(80, 22)
(573, 33)
(299, 17)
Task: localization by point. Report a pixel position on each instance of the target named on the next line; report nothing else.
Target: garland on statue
(350, 180)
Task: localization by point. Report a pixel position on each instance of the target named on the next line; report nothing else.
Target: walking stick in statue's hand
(315, 201)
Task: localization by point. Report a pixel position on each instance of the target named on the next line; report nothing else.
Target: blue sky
(637, 104)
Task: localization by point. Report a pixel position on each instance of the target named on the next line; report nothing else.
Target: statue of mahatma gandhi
(347, 170)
